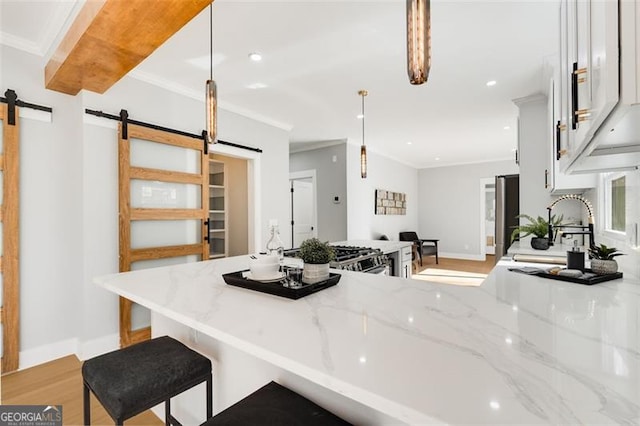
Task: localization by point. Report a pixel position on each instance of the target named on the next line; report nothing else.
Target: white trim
(466, 163)
(34, 114)
(41, 354)
(99, 121)
(199, 96)
(483, 208)
(305, 174)
(254, 188)
(20, 43)
(464, 256)
(98, 346)
(295, 147)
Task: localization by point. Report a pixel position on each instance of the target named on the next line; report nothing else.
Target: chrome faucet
(589, 227)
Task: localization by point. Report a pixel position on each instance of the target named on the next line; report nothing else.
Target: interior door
(490, 218)
(9, 229)
(164, 206)
(303, 215)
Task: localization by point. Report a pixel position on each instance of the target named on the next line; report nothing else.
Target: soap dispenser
(575, 257)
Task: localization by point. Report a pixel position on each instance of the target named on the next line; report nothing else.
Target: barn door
(163, 182)
(9, 229)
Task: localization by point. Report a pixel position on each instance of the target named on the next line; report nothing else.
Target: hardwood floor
(480, 267)
(59, 382)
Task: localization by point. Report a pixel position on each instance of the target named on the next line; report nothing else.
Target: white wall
(331, 181)
(382, 173)
(50, 211)
(450, 205)
(69, 211)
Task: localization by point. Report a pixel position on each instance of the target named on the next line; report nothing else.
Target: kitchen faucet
(589, 228)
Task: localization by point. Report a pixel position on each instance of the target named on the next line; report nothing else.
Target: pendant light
(363, 147)
(418, 40)
(211, 91)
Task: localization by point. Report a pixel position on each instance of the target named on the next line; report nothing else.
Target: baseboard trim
(85, 350)
(463, 256)
(41, 354)
(98, 346)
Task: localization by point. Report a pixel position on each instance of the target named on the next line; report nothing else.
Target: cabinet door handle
(574, 96)
(517, 159)
(208, 223)
(546, 179)
(558, 127)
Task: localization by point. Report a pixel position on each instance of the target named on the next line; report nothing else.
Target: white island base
(237, 374)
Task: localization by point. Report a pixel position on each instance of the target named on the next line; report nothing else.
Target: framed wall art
(388, 202)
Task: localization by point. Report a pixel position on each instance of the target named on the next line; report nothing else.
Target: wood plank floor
(480, 267)
(59, 382)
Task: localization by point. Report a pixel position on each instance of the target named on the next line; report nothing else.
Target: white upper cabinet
(556, 181)
(599, 65)
(559, 120)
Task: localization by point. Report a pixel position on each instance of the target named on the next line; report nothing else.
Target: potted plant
(316, 256)
(538, 227)
(602, 259)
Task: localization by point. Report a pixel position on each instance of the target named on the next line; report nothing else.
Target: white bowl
(264, 266)
(264, 271)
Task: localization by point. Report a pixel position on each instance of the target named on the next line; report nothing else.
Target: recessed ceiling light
(495, 405)
(491, 83)
(409, 143)
(506, 127)
(257, 86)
(360, 116)
(437, 158)
(255, 56)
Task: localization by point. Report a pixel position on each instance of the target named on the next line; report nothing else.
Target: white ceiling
(318, 54)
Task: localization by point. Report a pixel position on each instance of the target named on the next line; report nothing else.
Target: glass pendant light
(418, 40)
(363, 147)
(211, 91)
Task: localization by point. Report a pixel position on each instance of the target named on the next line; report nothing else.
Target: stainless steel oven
(358, 259)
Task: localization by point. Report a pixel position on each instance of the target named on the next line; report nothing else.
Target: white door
(490, 224)
(303, 217)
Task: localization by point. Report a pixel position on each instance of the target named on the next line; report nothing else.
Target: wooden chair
(426, 247)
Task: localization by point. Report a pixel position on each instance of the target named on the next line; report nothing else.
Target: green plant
(316, 252)
(603, 252)
(538, 227)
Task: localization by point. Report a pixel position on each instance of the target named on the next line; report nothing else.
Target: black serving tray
(276, 288)
(586, 281)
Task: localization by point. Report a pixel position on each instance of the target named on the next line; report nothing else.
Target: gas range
(360, 259)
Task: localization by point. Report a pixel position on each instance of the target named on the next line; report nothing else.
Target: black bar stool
(134, 379)
(275, 405)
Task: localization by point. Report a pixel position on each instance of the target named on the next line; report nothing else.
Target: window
(618, 204)
(615, 202)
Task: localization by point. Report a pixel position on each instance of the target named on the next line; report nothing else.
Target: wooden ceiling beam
(110, 37)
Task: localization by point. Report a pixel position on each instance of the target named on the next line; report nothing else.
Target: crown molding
(20, 43)
(199, 96)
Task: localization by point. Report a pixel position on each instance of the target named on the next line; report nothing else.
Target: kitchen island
(373, 349)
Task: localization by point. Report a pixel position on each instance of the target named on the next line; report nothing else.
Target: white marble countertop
(385, 245)
(517, 350)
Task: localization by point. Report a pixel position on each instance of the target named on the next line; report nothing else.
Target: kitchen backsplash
(629, 244)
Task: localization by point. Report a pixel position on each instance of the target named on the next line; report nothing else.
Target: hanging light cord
(363, 118)
(211, 41)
